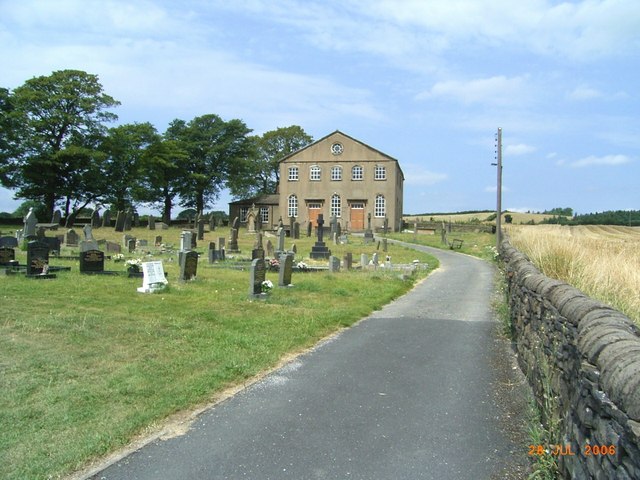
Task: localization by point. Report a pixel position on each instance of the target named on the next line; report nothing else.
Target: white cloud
(493, 90)
(584, 92)
(519, 149)
(417, 176)
(610, 160)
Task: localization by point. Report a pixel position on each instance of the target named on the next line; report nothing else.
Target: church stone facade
(334, 176)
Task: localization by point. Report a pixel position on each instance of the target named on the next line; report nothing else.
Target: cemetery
(132, 326)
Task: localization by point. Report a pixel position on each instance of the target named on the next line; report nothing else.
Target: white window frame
(360, 173)
(336, 206)
(315, 173)
(244, 211)
(294, 174)
(380, 172)
(336, 173)
(292, 206)
(264, 214)
(380, 207)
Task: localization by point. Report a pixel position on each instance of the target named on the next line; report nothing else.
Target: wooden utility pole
(499, 189)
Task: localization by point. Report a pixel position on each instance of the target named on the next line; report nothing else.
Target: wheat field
(603, 261)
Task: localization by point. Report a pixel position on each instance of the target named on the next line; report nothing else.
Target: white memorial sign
(154, 278)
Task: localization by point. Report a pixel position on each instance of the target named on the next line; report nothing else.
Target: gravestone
(71, 238)
(92, 261)
(212, 254)
(257, 275)
(212, 223)
(343, 239)
(186, 241)
(30, 222)
(221, 243)
(153, 278)
(286, 269)
(201, 229)
(270, 251)
(339, 229)
(120, 221)
(57, 217)
(11, 242)
(334, 264)
(251, 221)
(368, 234)
(281, 236)
(125, 240)
(40, 233)
(347, 260)
(7, 255)
(86, 245)
(113, 247)
(319, 250)
(158, 240)
(294, 249)
(142, 243)
(136, 219)
(95, 219)
(131, 245)
(296, 230)
(37, 258)
(106, 218)
(374, 259)
(385, 226)
(364, 260)
(309, 228)
(385, 246)
(88, 232)
(258, 250)
(188, 265)
(163, 226)
(333, 226)
(233, 239)
(152, 223)
(128, 217)
(54, 244)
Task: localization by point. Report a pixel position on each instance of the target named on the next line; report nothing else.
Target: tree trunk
(168, 205)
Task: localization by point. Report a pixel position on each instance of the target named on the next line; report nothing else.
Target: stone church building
(334, 176)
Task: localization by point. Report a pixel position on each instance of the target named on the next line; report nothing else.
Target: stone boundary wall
(582, 360)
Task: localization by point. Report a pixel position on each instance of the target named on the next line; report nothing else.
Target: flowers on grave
(133, 265)
(274, 264)
(302, 266)
(118, 257)
(267, 286)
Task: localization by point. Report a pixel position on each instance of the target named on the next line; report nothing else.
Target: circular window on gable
(337, 148)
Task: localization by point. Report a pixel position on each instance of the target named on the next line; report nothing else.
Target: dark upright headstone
(368, 234)
(128, 219)
(286, 269)
(57, 217)
(347, 260)
(8, 242)
(257, 275)
(136, 219)
(212, 223)
(7, 255)
(120, 221)
(106, 218)
(296, 230)
(309, 229)
(188, 265)
(37, 258)
(201, 229)
(92, 261)
(71, 238)
(95, 219)
(53, 243)
(152, 223)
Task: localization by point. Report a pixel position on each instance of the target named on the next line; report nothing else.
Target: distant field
(518, 217)
(601, 260)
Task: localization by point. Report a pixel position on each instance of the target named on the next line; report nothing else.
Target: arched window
(357, 173)
(293, 206)
(336, 173)
(314, 173)
(380, 209)
(336, 206)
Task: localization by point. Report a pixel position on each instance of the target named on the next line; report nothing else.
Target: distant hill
(477, 216)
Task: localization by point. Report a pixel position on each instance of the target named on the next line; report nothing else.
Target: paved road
(406, 394)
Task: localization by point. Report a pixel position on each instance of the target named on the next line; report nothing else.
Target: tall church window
(380, 208)
(336, 206)
(293, 206)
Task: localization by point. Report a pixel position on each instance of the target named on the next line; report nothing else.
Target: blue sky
(425, 81)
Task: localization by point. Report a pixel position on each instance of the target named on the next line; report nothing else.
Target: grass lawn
(479, 244)
(87, 363)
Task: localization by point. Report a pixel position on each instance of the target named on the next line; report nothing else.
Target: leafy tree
(508, 218)
(38, 209)
(271, 147)
(161, 176)
(59, 121)
(124, 147)
(8, 141)
(216, 152)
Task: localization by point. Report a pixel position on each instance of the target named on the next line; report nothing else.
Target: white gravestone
(154, 278)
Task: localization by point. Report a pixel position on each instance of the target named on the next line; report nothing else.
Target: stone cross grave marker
(30, 222)
(188, 265)
(153, 277)
(257, 275)
(319, 250)
(285, 270)
(88, 232)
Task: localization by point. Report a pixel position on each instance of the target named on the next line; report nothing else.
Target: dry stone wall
(582, 360)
